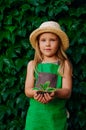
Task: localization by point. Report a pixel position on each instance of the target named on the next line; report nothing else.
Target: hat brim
(62, 35)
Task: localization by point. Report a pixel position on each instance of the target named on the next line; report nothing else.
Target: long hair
(60, 54)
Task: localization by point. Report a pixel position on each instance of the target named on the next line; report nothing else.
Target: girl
(47, 111)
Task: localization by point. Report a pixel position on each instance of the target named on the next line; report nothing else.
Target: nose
(47, 43)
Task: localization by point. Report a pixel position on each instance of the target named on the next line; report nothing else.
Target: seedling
(45, 88)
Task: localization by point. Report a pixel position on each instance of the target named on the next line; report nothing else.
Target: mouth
(48, 49)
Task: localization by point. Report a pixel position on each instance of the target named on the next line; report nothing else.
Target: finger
(43, 100)
(40, 98)
(47, 96)
(37, 96)
(52, 94)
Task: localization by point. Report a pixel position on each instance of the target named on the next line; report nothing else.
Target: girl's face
(48, 44)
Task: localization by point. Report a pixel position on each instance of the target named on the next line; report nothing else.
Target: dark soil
(42, 92)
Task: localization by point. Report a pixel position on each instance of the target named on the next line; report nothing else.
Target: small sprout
(45, 88)
(45, 85)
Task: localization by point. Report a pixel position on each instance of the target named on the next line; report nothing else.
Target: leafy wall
(18, 18)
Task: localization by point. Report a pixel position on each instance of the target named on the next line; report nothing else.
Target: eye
(52, 39)
(43, 40)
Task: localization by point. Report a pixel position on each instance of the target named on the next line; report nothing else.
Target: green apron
(50, 116)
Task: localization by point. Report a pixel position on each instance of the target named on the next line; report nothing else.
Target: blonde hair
(60, 54)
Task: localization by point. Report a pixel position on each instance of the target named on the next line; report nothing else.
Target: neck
(50, 59)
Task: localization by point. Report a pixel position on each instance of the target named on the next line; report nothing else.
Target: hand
(44, 98)
(48, 97)
(39, 97)
(53, 94)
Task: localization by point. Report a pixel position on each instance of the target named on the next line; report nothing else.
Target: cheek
(56, 46)
(55, 49)
(41, 46)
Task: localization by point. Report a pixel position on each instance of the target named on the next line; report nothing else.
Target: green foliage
(18, 18)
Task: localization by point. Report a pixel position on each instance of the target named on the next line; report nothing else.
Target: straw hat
(52, 27)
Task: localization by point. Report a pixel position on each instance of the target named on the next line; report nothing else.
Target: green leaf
(11, 52)
(19, 64)
(1, 63)
(33, 2)
(21, 32)
(5, 35)
(47, 84)
(42, 87)
(83, 50)
(10, 28)
(25, 7)
(83, 88)
(50, 89)
(82, 118)
(8, 20)
(35, 88)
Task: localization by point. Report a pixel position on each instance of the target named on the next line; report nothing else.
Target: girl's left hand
(39, 98)
(48, 97)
